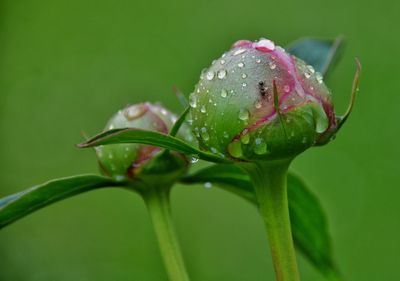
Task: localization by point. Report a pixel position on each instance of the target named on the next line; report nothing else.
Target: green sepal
(133, 135)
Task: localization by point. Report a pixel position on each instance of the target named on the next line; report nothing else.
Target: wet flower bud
(132, 161)
(258, 102)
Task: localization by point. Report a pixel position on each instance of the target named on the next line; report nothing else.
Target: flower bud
(134, 161)
(257, 102)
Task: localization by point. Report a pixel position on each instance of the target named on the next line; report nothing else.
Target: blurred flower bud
(257, 102)
(135, 161)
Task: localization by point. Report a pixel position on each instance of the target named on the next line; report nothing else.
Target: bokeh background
(66, 66)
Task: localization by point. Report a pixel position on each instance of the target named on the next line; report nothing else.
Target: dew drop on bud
(235, 149)
(240, 64)
(224, 93)
(221, 74)
(265, 45)
(321, 119)
(258, 104)
(204, 134)
(192, 101)
(244, 75)
(272, 65)
(245, 139)
(134, 112)
(225, 134)
(318, 76)
(311, 68)
(214, 150)
(207, 184)
(258, 61)
(307, 75)
(243, 114)
(222, 62)
(286, 88)
(260, 147)
(203, 109)
(238, 52)
(194, 159)
(210, 75)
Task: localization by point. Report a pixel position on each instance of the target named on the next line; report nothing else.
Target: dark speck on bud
(268, 105)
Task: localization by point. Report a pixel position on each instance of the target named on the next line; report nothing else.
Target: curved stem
(269, 180)
(157, 201)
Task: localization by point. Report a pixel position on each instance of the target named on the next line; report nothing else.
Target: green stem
(269, 180)
(157, 201)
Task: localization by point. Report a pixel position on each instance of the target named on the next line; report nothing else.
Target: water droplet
(134, 112)
(272, 65)
(221, 73)
(244, 75)
(245, 139)
(260, 147)
(307, 75)
(321, 119)
(192, 101)
(286, 88)
(319, 78)
(235, 149)
(210, 75)
(240, 64)
(222, 62)
(258, 104)
(214, 150)
(203, 133)
(244, 85)
(224, 93)
(203, 109)
(207, 184)
(194, 159)
(111, 127)
(239, 51)
(265, 45)
(311, 68)
(258, 61)
(225, 134)
(243, 114)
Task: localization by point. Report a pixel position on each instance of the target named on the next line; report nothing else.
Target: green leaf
(321, 54)
(134, 135)
(177, 125)
(18, 205)
(309, 225)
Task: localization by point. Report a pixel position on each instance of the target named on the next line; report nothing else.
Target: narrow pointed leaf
(179, 122)
(309, 225)
(321, 54)
(18, 205)
(133, 135)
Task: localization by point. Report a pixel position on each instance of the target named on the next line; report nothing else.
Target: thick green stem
(157, 201)
(269, 180)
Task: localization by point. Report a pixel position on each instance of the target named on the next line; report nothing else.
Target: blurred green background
(67, 66)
